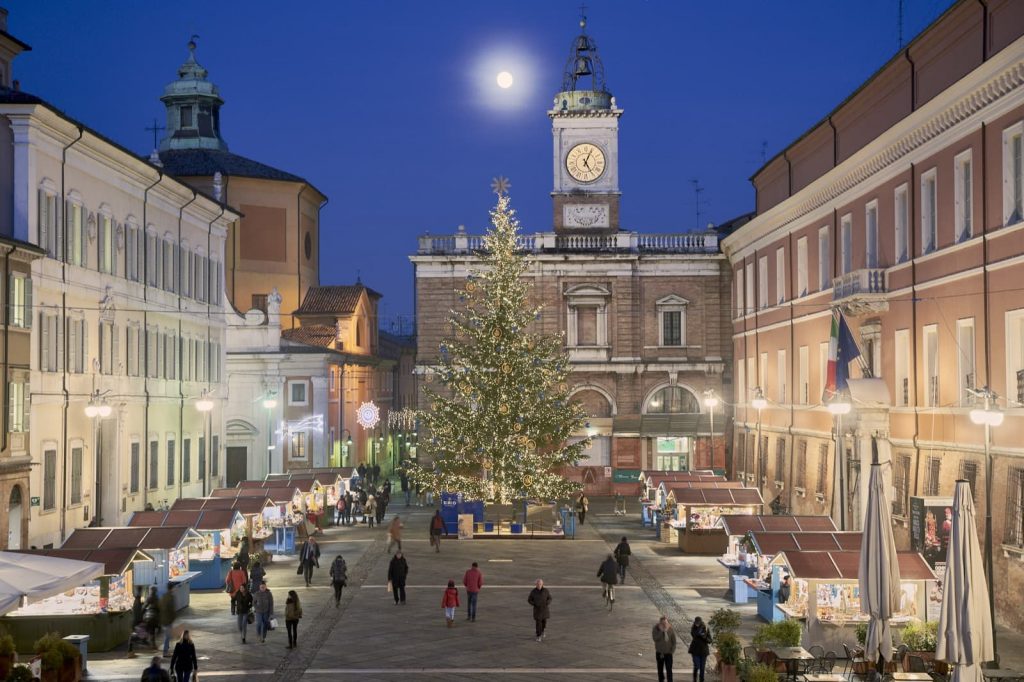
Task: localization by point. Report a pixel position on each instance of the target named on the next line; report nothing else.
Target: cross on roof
(155, 128)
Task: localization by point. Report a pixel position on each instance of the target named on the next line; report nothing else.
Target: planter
(6, 663)
(729, 673)
(940, 667)
(517, 528)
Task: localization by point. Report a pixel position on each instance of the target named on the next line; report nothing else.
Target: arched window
(672, 400)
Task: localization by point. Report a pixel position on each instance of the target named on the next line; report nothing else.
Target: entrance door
(237, 465)
(14, 519)
(110, 478)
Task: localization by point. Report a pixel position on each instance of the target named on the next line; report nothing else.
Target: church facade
(643, 318)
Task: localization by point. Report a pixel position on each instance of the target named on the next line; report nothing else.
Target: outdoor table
(825, 677)
(791, 656)
(1002, 674)
(911, 677)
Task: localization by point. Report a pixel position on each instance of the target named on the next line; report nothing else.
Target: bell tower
(193, 108)
(585, 137)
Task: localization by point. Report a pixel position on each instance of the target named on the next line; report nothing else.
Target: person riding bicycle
(608, 573)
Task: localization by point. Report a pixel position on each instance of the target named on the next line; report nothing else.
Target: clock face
(585, 162)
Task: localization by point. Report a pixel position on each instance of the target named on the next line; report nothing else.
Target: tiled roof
(320, 335)
(206, 162)
(333, 299)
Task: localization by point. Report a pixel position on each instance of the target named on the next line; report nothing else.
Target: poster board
(465, 526)
(931, 520)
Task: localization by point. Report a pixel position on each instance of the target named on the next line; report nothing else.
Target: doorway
(237, 465)
(109, 474)
(14, 512)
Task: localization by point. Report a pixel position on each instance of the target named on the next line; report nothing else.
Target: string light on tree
(501, 420)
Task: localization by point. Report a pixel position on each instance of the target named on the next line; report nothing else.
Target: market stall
(100, 607)
(692, 516)
(738, 526)
(663, 488)
(255, 510)
(217, 527)
(651, 503)
(825, 593)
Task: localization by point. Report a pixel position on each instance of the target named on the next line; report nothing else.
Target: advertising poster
(465, 526)
(931, 521)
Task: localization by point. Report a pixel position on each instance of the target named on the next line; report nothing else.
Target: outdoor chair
(855, 662)
(818, 653)
(917, 664)
(750, 653)
(901, 655)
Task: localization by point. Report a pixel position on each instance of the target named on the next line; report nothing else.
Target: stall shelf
(825, 593)
(692, 516)
(102, 609)
(213, 560)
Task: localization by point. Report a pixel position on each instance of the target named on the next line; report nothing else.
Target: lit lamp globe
(711, 401)
(93, 411)
(204, 404)
(839, 407)
(759, 402)
(103, 410)
(269, 403)
(989, 417)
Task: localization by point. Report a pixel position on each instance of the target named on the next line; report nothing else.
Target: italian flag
(842, 349)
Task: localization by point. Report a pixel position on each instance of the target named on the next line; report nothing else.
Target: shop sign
(35, 501)
(931, 521)
(625, 475)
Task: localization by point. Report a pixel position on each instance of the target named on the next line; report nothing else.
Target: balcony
(550, 242)
(861, 292)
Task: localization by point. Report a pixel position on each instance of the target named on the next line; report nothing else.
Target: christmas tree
(499, 425)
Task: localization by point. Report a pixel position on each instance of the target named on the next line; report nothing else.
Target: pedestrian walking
(582, 505)
(473, 580)
(398, 571)
(437, 526)
(376, 473)
(383, 499)
(403, 480)
(608, 572)
(664, 646)
(292, 614)
(309, 558)
(184, 662)
(450, 602)
(395, 533)
(243, 554)
(540, 599)
(168, 611)
(349, 501)
(622, 552)
(242, 604)
(370, 510)
(235, 579)
(151, 615)
(256, 576)
(138, 608)
(339, 578)
(700, 647)
(155, 673)
(263, 608)
(361, 470)
(339, 511)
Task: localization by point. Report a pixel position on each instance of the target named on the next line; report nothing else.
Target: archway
(14, 515)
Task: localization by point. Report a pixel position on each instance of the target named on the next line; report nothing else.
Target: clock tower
(585, 136)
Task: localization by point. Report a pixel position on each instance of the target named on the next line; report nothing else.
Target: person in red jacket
(474, 581)
(450, 602)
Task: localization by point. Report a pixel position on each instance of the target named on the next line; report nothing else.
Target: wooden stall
(692, 515)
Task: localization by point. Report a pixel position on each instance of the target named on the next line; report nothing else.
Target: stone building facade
(643, 315)
(902, 209)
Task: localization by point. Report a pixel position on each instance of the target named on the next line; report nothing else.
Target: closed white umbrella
(879, 570)
(965, 624)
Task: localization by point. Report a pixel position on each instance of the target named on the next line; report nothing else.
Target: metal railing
(539, 242)
(865, 281)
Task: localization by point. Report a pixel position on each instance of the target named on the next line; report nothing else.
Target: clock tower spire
(585, 135)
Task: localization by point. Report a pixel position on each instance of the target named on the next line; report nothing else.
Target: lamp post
(97, 409)
(711, 402)
(837, 407)
(988, 416)
(270, 402)
(759, 403)
(348, 446)
(205, 407)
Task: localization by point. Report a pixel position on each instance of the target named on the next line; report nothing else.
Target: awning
(846, 565)
(743, 524)
(653, 425)
(36, 577)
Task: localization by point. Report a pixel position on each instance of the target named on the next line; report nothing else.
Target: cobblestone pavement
(369, 638)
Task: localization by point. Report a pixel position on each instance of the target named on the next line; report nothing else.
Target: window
(780, 275)
(752, 378)
(78, 346)
(824, 260)
(822, 370)
(133, 350)
(672, 400)
(803, 378)
(152, 259)
(586, 327)
(76, 475)
(902, 368)
(134, 252)
(185, 267)
(762, 282)
(298, 445)
(18, 406)
(201, 266)
(762, 460)
(931, 484)
(740, 459)
(154, 465)
(822, 468)
(901, 219)
(186, 460)
(672, 321)
(845, 244)
(586, 321)
(782, 375)
(186, 117)
(780, 460)
(901, 485)
(19, 297)
(762, 372)
(169, 254)
(214, 455)
(741, 382)
(1013, 533)
(49, 479)
(105, 243)
(871, 235)
(50, 235)
(929, 213)
(1013, 175)
(51, 342)
(965, 359)
(969, 473)
(134, 468)
(76, 233)
(748, 295)
(801, 266)
(1015, 353)
(739, 293)
(108, 348)
(801, 464)
(216, 282)
(297, 393)
(930, 346)
(170, 462)
(963, 190)
(202, 458)
(259, 302)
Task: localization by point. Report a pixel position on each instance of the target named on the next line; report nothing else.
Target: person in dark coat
(784, 590)
(437, 526)
(700, 647)
(376, 473)
(664, 646)
(242, 602)
(151, 615)
(609, 573)
(622, 552)
(361, 470)
(309, 557)
(168, 612)
(398, 571)
(256, 576)
(339, 578)
(137, 607)
(540, 599)
(243, 555)
(184, 661)
(155, 673)
(403, 480)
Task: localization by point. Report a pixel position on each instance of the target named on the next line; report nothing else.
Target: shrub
(729, 648)
(861, 633)
(920, 636)
(6, 643)
(54, 651)
(723, 620)
(759, 672)
(783, 633)
(20, 673)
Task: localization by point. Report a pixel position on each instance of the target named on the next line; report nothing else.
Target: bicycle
(609, 595)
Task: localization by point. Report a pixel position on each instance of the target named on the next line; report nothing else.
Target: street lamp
(348, 446)
(96, 410)
(711, 402)
(837, 407)
(988, 415)
(205, 406)
(759, 403)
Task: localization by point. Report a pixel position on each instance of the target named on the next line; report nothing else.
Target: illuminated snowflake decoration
(500, 185)
(368, 415)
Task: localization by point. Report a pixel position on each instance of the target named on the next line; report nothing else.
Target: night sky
(391, 108)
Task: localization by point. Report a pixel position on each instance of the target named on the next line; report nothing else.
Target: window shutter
(85, 346)
(11, 404)
(113, 350)
(57, 324)
(11, 312)
(44, 343)
(65, 234)
(42, 226)
(28, 302)
(73, 344)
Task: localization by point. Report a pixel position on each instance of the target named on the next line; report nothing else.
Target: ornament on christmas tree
(503, 408)
(517, 427)
(528, 480)
(506, 368)
(531, 445)
(470, 287)
(497, 334)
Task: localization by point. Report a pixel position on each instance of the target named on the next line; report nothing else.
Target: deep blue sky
(378, 103)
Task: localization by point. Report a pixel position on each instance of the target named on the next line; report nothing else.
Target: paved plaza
(369, 638)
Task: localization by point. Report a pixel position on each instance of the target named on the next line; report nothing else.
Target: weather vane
(500, 185)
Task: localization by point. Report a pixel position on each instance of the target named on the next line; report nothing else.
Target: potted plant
(784, 633)
(20, 673)
(759, 672)
(723, 620)
(6, 654)
(921, 639)
(58, 659)
(729, 650)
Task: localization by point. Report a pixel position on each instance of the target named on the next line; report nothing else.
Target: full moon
(505, 80)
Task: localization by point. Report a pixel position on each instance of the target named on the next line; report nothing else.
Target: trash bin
(81, 642)
(568, 521)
